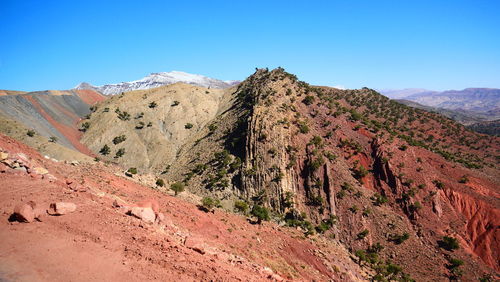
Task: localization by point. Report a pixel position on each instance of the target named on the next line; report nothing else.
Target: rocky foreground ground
(85, 230)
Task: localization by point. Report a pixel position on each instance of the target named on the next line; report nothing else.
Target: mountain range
(158, 79)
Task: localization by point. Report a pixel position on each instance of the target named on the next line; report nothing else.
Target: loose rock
(24, 213)
(145, 214)
(61, 208)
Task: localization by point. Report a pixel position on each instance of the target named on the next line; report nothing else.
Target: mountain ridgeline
(388, 181)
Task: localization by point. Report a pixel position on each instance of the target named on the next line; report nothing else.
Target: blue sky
(375, 43)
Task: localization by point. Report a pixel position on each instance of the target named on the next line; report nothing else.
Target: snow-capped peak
(159, 79)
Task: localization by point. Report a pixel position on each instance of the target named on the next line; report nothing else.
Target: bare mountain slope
(156, 123)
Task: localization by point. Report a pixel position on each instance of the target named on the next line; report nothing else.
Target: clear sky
(375, 43)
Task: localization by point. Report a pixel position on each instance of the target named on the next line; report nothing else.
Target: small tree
(188, 126)
(53, 139)
(105, 150)
(177, 187)
(261, 213)
(153, 105)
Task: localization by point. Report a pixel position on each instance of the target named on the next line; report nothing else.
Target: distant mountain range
(481, 100)
(156, 80)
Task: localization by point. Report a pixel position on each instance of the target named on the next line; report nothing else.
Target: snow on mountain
(159, 79)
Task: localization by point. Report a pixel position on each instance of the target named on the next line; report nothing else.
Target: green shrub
(209, 204)
(160, 182)
(105, 150)
(361, 235)
(120, 153)
(241, 206)
(399, 239)
(132, 170)
(119, 139)
(31, 133)
(449, 243)
(308, 100)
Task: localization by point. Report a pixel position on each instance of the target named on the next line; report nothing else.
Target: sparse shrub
(188, 126)
(177, 187)
(123, 115)
(359, 172)
(316, 201)
(53, 139)
(160, 182)
(361, 235)
(31, 133)
(449, 243)
(175, 103)
(438, 184)
(105, 150)
(209, 204)
(464, 179)
(212, 127)
(119, 139)
(132, 170)
(241, 206)
(399, 239)
(303, 128)
(308, 100)
(120, 153)
(366, 212)
(153, 105)
(85, 126)
(403, 147)
(140, 125)
(354, 209)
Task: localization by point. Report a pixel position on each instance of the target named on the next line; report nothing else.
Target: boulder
(145, 214)
(61, 208)
(24, 213)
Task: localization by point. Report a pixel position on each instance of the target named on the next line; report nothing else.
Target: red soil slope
(98, 242)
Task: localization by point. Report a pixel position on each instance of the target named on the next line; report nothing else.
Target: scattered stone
(40, 170)
(61, 208)
(196, 244)
(21, 169)
(3, 155)
(75, 163)
(145, 214)
(160, 218)
(24, 213)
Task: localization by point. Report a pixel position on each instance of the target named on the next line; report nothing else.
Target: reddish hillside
(52, 113)
(101, 243)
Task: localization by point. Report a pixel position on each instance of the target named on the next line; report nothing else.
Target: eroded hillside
(388, 181)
